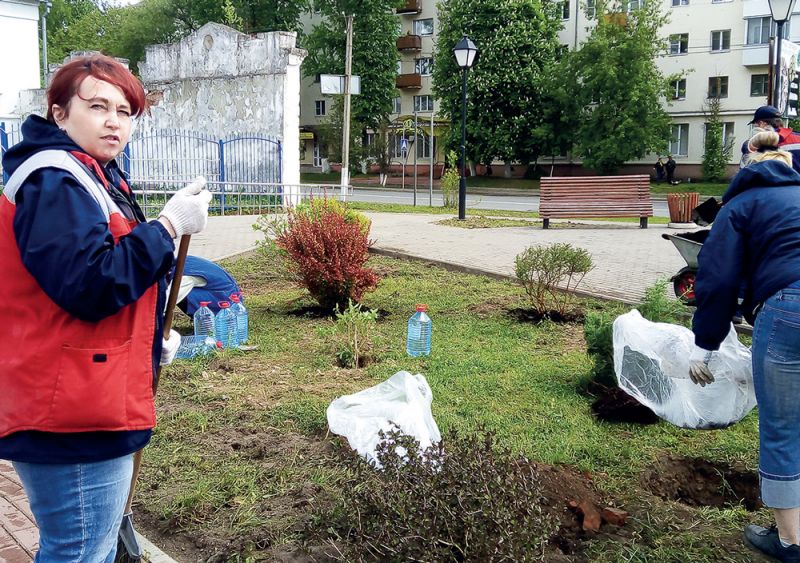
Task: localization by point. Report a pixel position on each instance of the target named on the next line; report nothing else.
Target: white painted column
(290, 157)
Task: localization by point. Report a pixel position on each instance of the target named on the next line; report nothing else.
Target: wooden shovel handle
(172, 300)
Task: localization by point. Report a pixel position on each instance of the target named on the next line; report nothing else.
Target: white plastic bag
(651, 361)
(403, 400)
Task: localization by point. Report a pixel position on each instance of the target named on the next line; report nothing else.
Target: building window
(758, 84)
(679, 145)
(395, 145)
(721, 40)
(565, 10)
(319, 108)
(760, 29)
(561, 50)
(423, 103)
(397, 104)
(676, 3)
(424, 146)
(423, 27)
(718, 87)
(679, 89)
(727, 134)
(423, 66)
(679, 44)
(633, 5)
(399, 67)
(591, 9)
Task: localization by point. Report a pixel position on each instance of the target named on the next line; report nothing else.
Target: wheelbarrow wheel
(683, 285)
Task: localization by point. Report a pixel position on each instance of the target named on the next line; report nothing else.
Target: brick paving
(19, 537)
(627, 261)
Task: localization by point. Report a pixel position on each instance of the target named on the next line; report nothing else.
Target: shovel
(128, 548)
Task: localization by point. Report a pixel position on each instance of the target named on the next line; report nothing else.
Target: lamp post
(465, 51)
(781, 11)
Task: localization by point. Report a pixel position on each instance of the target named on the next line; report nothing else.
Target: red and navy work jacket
(59, 373)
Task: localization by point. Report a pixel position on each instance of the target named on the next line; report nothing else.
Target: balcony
(413, 81)
(409, 7)
(409, 43)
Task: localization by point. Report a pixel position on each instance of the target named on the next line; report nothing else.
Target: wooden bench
(595, 196)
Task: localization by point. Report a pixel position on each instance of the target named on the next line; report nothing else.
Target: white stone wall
(19, 52)
(221, 82)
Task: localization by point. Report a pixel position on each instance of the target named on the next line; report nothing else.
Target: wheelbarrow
(689, 245)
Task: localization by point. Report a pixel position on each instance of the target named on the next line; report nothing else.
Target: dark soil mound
(531, 316)
(698, 482)
(615, 405)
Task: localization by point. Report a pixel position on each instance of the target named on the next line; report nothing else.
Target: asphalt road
(504, 202)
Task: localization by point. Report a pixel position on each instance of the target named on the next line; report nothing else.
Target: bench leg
(545, 223)
(643, 222)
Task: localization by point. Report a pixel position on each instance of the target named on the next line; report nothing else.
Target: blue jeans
(776, 377)
(78, 507)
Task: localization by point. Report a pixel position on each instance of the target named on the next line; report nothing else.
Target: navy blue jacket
(754, 241)
(82, 271)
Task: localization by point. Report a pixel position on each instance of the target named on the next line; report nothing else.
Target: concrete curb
(152, 552)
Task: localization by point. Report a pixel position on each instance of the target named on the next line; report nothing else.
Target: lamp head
(465, 52)
(781, 9)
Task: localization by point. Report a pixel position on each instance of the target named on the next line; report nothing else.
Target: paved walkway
(627, 260)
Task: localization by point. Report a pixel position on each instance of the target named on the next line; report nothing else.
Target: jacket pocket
(90, 393)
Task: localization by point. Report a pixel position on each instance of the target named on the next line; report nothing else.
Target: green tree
(78, 25)
(619, 87)
(718, 150)
(375, 31)
(517, 42)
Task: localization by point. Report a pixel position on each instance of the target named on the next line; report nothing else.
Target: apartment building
(721, 47)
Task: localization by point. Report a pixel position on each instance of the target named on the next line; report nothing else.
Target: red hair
(69, 77)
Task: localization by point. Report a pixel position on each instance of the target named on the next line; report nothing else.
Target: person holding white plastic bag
(755, 241)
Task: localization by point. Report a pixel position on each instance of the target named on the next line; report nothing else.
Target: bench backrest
(610, 193)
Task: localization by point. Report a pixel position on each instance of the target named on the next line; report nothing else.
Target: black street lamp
(781, 11)
(465, 51)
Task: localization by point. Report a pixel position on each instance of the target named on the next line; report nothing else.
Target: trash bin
(681, 205)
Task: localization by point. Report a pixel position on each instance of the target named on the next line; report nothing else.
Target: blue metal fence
(9, 136)
(242, 170)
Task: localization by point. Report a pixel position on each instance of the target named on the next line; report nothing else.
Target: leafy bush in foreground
(464, 499)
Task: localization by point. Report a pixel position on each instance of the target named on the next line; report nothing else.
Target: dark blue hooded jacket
(83, 272)
(755, 242)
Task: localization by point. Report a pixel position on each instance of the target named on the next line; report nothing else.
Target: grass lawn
(241, 459)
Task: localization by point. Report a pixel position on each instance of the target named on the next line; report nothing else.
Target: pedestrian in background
(83, 296)
(755, 243)
(670, 169)
(659, 167)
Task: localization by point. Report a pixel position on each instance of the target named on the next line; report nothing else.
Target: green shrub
(315, 207)
(327, 250)
(452, 502)
(541, 269)
(353, 325)
(599, 333)
(450, 182)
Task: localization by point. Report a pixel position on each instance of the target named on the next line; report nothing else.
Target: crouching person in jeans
(755, 242)
(83, 298)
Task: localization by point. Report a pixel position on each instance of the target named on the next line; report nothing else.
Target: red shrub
(328, 254)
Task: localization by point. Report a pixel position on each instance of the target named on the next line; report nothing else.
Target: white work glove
(169, 347)
(699, 372)
(187, 210)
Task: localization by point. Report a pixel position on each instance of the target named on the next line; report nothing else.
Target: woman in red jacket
(83, 299)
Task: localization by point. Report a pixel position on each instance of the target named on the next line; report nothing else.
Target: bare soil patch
(531, 316)
(699, 482)
(615, 405)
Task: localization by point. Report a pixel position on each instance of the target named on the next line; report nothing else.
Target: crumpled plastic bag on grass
(403, 401)
(651, 361)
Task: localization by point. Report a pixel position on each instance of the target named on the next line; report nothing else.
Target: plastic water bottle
(192, 346)
(225, 325)
(204, 320)
(242, 318)
(418, 342)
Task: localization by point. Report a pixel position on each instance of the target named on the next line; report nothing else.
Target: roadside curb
(152, 553)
